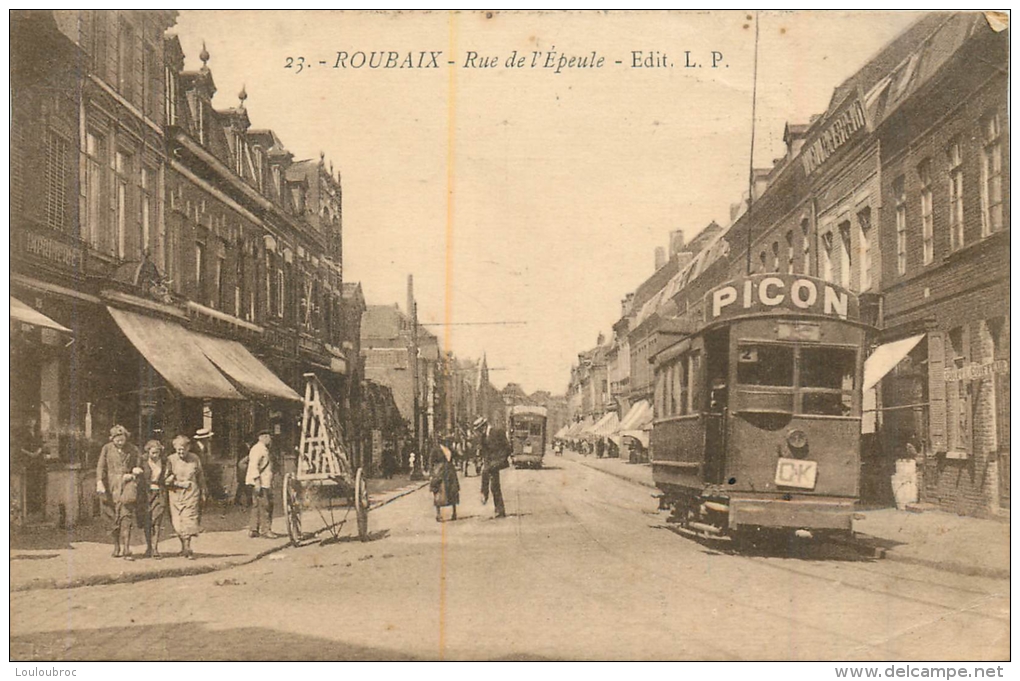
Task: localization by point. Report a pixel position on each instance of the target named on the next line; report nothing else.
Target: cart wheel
(361, 504)
(292, 507)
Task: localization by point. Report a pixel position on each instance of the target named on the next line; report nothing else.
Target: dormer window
(298, 198)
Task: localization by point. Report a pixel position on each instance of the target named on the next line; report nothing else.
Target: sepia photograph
(504, 336)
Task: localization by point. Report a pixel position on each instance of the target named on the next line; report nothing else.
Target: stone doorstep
(193, 568)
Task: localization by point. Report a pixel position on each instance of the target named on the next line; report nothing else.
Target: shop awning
(173, 353)
(609, 424)
(561, 432)
(26, 315)
(885, 358)
(593, 429)
(234, 360)
(639, 416)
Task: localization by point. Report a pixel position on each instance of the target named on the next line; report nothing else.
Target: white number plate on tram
(796, 473)
(527, 448)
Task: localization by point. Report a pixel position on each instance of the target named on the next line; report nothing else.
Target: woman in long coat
(153, 478)
(117, 474)
(444, 484)
(186, 484)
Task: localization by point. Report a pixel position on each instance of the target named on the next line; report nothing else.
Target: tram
(527, 435)
(758, 409)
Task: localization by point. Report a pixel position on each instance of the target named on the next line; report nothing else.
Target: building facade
(196, 265)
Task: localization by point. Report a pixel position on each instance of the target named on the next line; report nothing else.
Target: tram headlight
(796, 439)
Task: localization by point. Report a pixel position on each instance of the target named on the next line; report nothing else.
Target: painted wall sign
(781, 293)
(838, 130)
(977, 372)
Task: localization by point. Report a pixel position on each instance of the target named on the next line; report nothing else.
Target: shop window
(57, 150)
(864, 248)
(927, 219)
(991, 175)
(900, 195)
(768, 365)
(955, 157)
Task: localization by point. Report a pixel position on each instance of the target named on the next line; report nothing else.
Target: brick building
(195, 265)
(944, 135)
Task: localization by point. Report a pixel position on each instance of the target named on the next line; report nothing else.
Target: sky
(528, 201)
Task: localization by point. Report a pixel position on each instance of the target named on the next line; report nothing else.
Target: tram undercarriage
(715, 513)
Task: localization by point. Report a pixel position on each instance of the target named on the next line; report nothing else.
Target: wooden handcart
(325, 479)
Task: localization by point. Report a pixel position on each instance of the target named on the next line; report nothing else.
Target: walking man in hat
(260, 479)
(495, 453)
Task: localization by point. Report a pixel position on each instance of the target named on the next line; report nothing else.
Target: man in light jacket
(260, 479)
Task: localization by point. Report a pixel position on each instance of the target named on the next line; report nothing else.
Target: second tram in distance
(527, 435)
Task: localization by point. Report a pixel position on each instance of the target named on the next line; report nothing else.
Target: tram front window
(770, 365)
(827, 377)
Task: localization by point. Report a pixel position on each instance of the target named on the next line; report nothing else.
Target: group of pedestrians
(140, 489)
(492, 447)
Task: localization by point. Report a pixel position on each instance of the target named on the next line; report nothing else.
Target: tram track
(723, 596)
(965, 609)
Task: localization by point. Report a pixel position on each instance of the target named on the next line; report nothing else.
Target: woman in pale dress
(186, 484)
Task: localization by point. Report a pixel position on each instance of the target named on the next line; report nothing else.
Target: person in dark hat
(495, 453)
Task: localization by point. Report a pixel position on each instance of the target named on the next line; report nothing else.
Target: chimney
(794, 136)
(626, 305)
(601, 339)
(761, 181)
(660, 258)
(676, 242)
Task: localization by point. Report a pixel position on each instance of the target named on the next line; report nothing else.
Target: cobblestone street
(579, 548)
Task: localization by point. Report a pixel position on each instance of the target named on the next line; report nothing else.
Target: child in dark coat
(444, 484)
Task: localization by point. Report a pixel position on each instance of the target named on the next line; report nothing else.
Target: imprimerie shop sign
(837, 131)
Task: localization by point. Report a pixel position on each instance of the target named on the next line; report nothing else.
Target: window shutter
(937, 391)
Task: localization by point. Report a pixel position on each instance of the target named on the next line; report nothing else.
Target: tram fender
(828, 514)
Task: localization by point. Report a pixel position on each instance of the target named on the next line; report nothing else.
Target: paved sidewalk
(944, 541)
(58, 559)
(641, 473)
(960, 544)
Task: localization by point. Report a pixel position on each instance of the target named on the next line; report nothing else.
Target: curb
(614, 474)
(862, 547)
(185, 571)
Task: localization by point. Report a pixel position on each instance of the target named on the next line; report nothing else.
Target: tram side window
(827, 377)
(770, 365)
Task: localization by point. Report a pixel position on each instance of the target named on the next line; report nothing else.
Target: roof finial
(242, 95)
(204, 56)
(322, 158)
